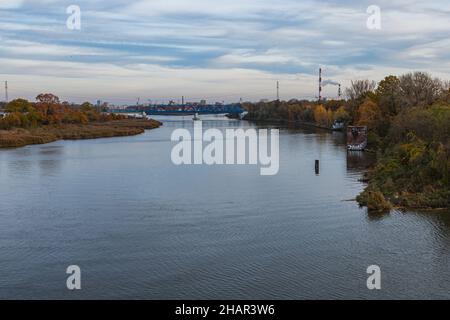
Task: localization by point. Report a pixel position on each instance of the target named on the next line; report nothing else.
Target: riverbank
(409, 173)
(19, 137)
(290, 122)
(408, 132)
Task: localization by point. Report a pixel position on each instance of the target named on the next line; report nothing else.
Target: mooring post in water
(317, 167)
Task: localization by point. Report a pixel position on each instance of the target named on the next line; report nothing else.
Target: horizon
(160, 50)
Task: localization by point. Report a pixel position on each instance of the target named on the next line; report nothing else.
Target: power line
(278, 90)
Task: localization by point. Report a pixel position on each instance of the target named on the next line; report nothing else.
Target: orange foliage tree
(369, 114)
(321, 115)
(50, 107)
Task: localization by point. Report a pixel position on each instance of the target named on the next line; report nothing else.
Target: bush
(414, 169)
(374, 201)
(75, 117)
(12, 120)
(19, 105)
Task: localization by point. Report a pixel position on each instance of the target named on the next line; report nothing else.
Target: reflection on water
(141, 227)
(49, 167)
(51, 150)
(359, 161)
(20, 167)
(376, 216)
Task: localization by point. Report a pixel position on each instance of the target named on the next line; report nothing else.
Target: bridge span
(184, 109)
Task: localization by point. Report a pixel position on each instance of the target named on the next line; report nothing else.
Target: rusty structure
(356, 138)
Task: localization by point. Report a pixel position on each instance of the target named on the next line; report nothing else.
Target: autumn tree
(341, 115)
(47, 98)
(320, 115)
(307, 114)
(48, 104)
(19, 105)
(86, 107)
(427, 124)
(369, 114)
(357, 92)
(293, 111)
(389, 95)
(12, 120)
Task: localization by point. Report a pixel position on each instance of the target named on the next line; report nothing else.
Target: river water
(140, 227)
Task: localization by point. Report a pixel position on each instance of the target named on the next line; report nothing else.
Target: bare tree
(359, 89)
(419, 89)
(446, 85)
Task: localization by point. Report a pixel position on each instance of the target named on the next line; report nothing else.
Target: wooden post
(317, 167)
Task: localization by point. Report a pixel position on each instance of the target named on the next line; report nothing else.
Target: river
(139, 226)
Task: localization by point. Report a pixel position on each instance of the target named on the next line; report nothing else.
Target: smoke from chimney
(330, 82)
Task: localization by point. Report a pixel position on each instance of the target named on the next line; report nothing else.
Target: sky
(160, 50)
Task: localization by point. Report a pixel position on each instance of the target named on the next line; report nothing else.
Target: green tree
(86, 107)
(19, 105)
(341, 115)
(389, 95)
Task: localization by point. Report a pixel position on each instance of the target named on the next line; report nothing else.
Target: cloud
(330, 82)
(28, 48)
(10, 4)
(243, 57)
(222, 49)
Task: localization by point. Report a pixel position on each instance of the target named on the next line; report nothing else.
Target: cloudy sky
(214, 49)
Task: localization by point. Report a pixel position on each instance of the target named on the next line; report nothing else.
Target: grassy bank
(19, 137)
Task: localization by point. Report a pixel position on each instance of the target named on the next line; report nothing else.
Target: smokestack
(320, 84)
(339, 91)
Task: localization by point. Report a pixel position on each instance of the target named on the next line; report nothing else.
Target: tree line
(48, 110)
(408, 120)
